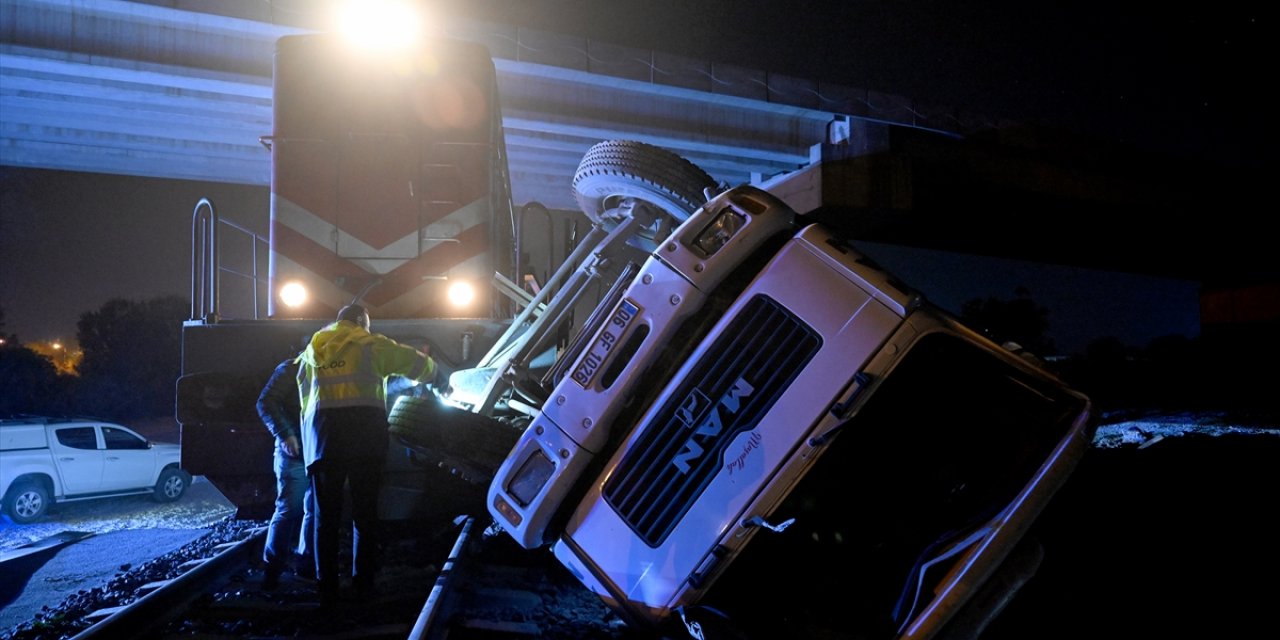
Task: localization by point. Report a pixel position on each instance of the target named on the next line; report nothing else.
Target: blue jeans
(292, 526)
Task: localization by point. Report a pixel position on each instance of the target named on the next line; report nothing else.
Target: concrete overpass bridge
(182, 89)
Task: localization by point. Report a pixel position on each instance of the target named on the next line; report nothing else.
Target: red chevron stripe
(367, 193)
(305, 172)
(408, 276)
(315, 257)
(329, 266)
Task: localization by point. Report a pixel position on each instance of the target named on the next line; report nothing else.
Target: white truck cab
(764, 403)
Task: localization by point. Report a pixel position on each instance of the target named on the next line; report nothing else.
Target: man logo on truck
(709, 425)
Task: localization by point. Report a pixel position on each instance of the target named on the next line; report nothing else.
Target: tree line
(132, 354)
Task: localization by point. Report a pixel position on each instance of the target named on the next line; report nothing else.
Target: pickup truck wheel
(615, 170)
(26, 502)
(171, 485)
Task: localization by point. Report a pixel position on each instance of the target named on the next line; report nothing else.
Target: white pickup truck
(43, 460)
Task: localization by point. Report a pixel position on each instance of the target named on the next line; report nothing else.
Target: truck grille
(728, 391)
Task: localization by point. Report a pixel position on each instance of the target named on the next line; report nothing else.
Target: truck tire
(171, 485)
(614, 170)
(26, 502)
(468, 445)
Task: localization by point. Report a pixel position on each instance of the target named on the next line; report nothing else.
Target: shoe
(305, 570)
(329, 588)
(329, 601)
(271, 577)
(363, 590)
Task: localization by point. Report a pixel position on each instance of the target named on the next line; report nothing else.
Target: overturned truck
(755, 401)
(715, 397)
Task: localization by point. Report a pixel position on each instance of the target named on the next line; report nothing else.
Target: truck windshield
(949, 438)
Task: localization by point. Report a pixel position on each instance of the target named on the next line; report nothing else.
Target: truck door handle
(113, 458)
(700, 575)
(757, 521)
(66, 459)
(841, 410)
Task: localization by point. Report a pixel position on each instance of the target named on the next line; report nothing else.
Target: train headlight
(379, 24)
(461, 293)
(293, 295)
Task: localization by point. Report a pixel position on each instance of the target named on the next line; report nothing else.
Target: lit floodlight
(379, 24)
(293, 294)
(461, 293)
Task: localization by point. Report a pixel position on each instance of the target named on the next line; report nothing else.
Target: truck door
(128, 463)
(78, 458)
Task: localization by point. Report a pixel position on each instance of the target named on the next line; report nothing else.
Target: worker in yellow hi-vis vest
(342, 378)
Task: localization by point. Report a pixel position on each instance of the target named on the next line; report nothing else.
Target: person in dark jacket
(342, 382)
(290, 534)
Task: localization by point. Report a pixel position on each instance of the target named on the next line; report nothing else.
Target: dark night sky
(1175, 81)
(71, 241)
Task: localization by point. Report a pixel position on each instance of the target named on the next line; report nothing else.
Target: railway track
(490, 588)
(442, 579)
(161, 602)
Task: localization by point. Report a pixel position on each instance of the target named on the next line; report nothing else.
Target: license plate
(605, 342)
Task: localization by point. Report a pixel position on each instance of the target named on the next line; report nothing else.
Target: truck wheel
(467, 444)
(26, 502)
(615, 170)
(171, 485)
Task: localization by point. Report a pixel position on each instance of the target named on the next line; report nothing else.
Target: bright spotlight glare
(379, 24)
(293, 294)
(461, 293)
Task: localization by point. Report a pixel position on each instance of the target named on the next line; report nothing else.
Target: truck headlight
(529, 479)
(714, 236)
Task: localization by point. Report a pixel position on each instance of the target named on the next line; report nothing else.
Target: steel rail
(170, 600)
(437, 601)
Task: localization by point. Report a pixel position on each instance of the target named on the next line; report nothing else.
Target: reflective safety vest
(346, 366)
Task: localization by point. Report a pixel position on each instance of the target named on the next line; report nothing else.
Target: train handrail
(206, 263)
(204, 259)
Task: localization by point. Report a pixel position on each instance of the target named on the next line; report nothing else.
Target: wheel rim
(173, 487)
(614, 171)
(28, 504)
